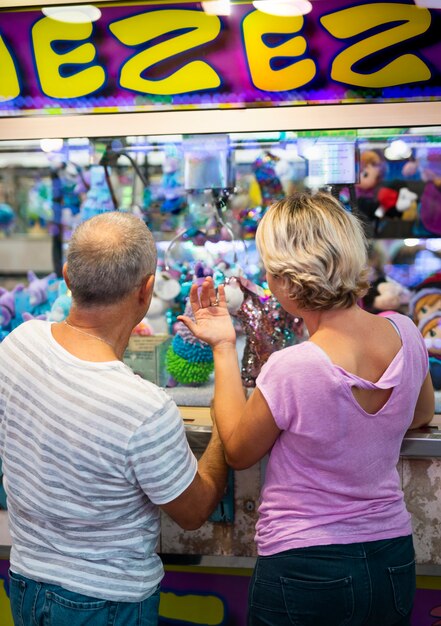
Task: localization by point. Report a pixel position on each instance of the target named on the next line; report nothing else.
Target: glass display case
(203, 195)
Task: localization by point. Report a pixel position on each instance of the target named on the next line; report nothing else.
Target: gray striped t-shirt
(89, 450)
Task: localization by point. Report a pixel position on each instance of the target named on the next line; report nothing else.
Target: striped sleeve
(159, 458)
(2, 403)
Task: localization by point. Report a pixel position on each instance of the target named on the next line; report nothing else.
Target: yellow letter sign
(49, 63)
(263, 76)
(9, 85)
(347, 23)
(140, 29)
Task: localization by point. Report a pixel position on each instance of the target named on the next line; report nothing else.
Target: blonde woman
(333, 535)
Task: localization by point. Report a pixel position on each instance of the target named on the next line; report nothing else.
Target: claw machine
(197, 115)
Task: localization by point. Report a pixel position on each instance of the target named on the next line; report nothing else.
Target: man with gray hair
(91, 452)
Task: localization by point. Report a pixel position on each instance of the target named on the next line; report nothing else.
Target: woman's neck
(332, 319)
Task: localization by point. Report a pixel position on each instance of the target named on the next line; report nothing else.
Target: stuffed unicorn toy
(7, 306)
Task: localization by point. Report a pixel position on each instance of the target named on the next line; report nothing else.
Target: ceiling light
(51, 145)
(289, 8)
(81, 14)
(217, 7)
(398, 150)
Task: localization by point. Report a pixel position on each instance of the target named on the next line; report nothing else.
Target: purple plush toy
(7, 305)
(38, 288)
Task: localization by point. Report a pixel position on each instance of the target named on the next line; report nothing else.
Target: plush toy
(430, 328)
(426, 299)
(172, 190)
(98, 198)
(39, 203)
(38, 288)
(266, 325)
(372, 169)
(430, 211)
(264, 168)
(61, 306)
(28, 316)
(397, 201)
(189, 361)
(386, 294)
(411, 169)
(7, 217)
(249, 219)
(7, 306)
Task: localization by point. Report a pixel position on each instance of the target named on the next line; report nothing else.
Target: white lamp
(81, 14)
(217, 7)
(288, 8)
(398, 150)
(51, 145)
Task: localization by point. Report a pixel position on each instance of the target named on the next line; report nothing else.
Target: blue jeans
(40, 604)
(360, 584)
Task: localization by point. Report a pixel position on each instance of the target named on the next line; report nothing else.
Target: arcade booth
(197, 116)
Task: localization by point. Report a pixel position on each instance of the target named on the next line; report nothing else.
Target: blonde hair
(318, 247)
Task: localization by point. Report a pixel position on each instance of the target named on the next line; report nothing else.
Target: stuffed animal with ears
(397, 201)
(38, 288)
(386, 295)
(28, 316)
(7, 306)
(426, 299)
(61, 306)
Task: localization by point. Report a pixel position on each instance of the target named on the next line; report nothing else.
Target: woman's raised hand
(212, 322)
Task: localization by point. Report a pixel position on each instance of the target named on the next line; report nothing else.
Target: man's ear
(146, 289)
(65, 276)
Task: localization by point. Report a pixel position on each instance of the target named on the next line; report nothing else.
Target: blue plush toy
(61, 307)
(7, 217)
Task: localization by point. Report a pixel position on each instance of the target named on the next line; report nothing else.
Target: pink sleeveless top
(332, 474)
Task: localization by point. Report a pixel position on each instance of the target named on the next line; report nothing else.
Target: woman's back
(364, 345)
(331, 475)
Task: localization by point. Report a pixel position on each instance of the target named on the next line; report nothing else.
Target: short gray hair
(318, 247)
(109, 255)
